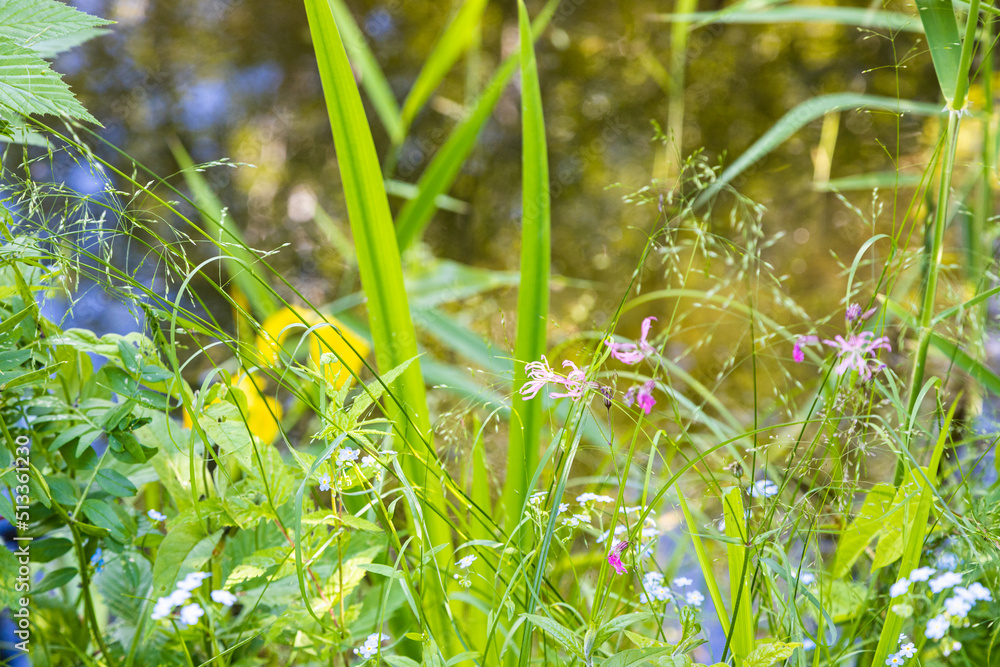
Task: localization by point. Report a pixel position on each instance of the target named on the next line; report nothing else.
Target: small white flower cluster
(189, 613)
(370, 648)
(465, 563)
(906, 650)
(956, 607)
(345, 457)
(156, 516)
(585, 498)
(653, 583)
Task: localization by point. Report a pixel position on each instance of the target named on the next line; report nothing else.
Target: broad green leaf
(372, 79)
(447, 50)
(868, 523)
(29, 86)
(54, 579)
(916, 529)
(27, 22)
(103, 515)
(115, 483)
(444, 167)
(766, 655)
(804, 113)
(896, 521)
(175, 548)
(938, 18)
(533, 293)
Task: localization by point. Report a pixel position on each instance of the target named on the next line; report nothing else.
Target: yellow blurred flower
(332, 336)
(263, 413)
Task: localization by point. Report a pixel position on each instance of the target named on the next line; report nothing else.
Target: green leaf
(766, 655)
(637, 656)
(44, 551)
(447, 50)
(804, 113)
(29, 86)
(74, 432)
(740, 573)
(377, 255)
(444, 167)
(533, 294)
(566, 637)
(938, 18)
(371, 76)
(54, 579)
(853, 16)
(115, 483)
(176, 547)
(895, 522)
(27, 22)
(866, 525)
(103, 515)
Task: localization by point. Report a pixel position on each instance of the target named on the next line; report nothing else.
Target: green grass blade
(449, 48)
(852, 16)
(381, 270)
(372, 79)
(938, 19)
(227, 237)
(441, 172)
(742, 638)
(533, 295)
(808, 111)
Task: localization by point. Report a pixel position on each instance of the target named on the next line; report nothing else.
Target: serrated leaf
(29, 86)
(27, 22)
(241, 573)
(766, 655)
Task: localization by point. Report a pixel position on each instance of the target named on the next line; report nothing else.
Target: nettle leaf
(27, 22)
(29, 86)
(766, 655)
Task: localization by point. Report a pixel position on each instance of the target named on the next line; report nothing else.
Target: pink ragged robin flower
(642, 395)
(539, 374)
(858, 352)
(633, 353)
(854, 313)
(797, 354)
(615, 557)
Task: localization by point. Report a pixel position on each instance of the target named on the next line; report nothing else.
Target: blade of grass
(808, 111)
(741, 635)
(941, 28)
(447, 50)
(441, 172)
(381, 276)
(533, 295)
(853, 16)
(372, 79)
(227, 236)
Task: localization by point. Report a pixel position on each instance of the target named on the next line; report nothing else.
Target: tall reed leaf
(379, 264)
(412, 219)
(741, 638)
(798, 117)
(372, 78)
(533, 296)
(938, 18)
(449, 48)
